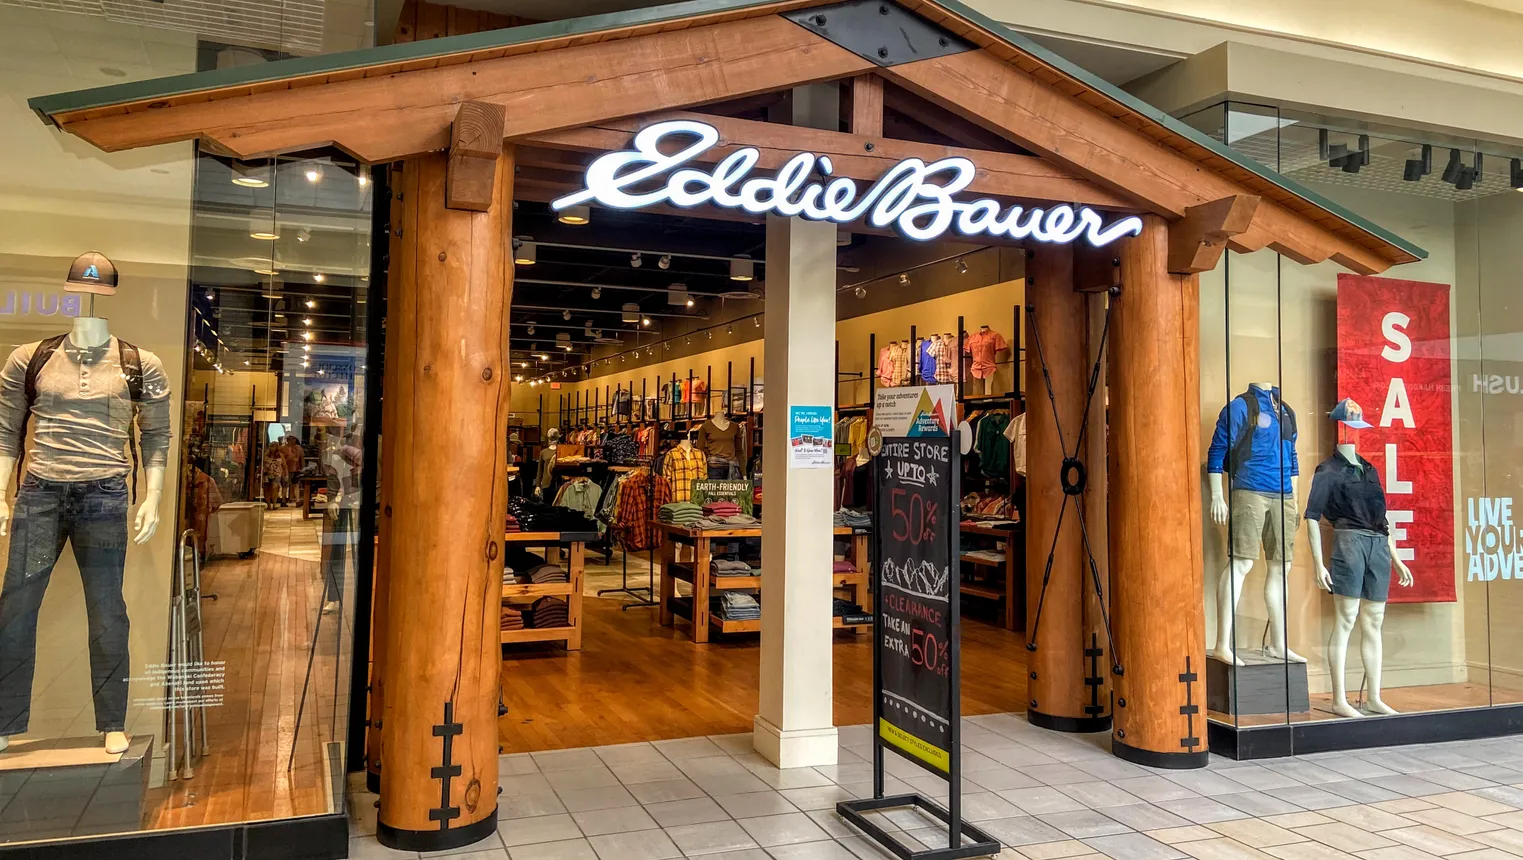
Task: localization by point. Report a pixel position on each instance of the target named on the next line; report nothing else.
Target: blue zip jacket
(1272, 461)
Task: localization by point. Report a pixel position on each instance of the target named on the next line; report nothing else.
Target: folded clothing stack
(513, 524)
(680, 513)
(728, 567)
(735, 606)
(512, 619)
(841, 565)
(549, 612)
(851, 518)
(547, 573)
(849, 613)
(508, 577)
(533, 516)
(720, 510)
(986, 555)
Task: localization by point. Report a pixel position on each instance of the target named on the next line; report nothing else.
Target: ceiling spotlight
(645, 321)
(566, 315)
(306, 348)
(212, 294)
(961, 266)
(1419, 167)
(542, 357)
(306, 335)
(303, 235)
(262, 225)
(363, 176)
(742, 268)
(531, 328)
(756, 321)
(1466, 180)
(523, 364)
(319, 277)
(904, 279)
(689, 302)
(860, 292)
(729, 329)
(251, 175)
(314, 173)
(518, 377)
(576, 215)
(636, 261)
(1452, 170)
(311, 304)
(597, 292)
(307, 321)
(665, 262)
(688, 341)
(306, 364)
(525, 253)
(709, 334)
(629, 313)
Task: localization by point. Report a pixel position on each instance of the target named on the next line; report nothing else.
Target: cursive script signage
(915, 198)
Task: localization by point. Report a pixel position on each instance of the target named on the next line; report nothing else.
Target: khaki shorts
(1263, 521)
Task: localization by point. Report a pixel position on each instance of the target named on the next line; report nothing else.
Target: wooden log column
(1062, 696)
(1155, 517)
(380, 592)
(449, 504)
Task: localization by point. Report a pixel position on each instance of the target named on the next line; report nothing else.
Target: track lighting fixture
(262, 225)
(665, 262)
(319, 278)
(709, 334)
(566, 315)
(303, 235)
(630, 312)
(597, 292)
(729, 329)
(688, 341)
(904, 279)
(531, 328)
(576, 215)
(742, 268)
(525, 251)
(961, 266)
(1419, 167)
(645, 321)
(1340, 156)
(690, 302)
(636, 261)
(311, 305)
(251, 175)
(860, 292)
(1453, 169)
(1466, 180)
(314, 173)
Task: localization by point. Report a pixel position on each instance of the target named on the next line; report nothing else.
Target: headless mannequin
(1229, 586)
(1371, 617)
(92, 332)
(721, 420)
(988, 381)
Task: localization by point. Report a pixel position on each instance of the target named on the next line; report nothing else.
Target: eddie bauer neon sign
(904, 197)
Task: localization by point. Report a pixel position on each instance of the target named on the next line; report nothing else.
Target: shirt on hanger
(982, 345)
(886, 366)
(927, 360)
(945, 350)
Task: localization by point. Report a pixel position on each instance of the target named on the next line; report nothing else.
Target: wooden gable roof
(388, 102)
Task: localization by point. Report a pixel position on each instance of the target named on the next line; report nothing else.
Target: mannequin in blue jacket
(1262, 517)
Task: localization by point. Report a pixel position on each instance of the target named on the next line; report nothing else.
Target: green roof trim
(177, 85)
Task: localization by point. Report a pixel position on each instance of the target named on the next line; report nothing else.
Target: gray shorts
(1361, 564)
(1264, 522)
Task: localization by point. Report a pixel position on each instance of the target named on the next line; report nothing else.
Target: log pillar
(1157, 596)
(449, 503)
(380, 602)
(1062, 695)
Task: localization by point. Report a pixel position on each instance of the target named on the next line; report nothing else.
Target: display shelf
(1000, 581)
(574, 545)
(980, 560)
(701, 577)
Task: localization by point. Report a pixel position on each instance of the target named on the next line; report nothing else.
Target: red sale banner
(1394, 360)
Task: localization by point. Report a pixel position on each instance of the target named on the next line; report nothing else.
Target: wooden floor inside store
(261, 626)
(635, 680)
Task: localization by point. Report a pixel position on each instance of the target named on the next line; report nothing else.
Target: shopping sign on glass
(913, 197)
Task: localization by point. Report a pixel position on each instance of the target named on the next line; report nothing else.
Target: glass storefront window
(1388, 458)
(129, 701)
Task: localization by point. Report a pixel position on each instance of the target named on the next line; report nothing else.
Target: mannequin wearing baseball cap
(84, 393)
(1346, 490)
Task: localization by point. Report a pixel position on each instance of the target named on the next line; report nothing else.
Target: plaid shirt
(682, 468)
(641, 494)
(944, 349)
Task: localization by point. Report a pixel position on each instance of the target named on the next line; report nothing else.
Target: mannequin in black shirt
(1346, 490)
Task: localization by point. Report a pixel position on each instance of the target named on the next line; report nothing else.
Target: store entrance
(638, 365)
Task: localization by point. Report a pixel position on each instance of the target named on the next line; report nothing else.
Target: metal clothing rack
(185, 650)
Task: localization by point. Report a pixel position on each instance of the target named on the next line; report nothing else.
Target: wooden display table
(1001, 581)
(308, 485)
(699, 574)
(574, 544)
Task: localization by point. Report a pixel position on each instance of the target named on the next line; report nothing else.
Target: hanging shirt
(886, 366)
(945, 350)
(982, 345)
(1016, 433)
(928, 360)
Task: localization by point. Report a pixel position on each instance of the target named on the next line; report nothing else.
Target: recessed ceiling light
(742, 268)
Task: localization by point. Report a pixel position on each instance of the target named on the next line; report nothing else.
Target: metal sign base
(853, 811)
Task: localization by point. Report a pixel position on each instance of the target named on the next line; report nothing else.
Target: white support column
(796, 726)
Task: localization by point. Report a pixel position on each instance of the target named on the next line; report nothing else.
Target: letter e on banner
(1394, 349)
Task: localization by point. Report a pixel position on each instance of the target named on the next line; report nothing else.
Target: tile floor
(1043, 795)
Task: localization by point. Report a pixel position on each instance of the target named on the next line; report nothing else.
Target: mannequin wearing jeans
(90, 513)
(1346, 490)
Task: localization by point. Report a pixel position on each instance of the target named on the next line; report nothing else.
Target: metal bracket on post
(881, 32)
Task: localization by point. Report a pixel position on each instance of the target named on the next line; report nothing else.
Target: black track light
(1452, 170)
(1466, 180)
(1419, 167)
(1516, 178)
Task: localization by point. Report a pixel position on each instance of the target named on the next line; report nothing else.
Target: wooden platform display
(699, 574)
(1003, 581)
(574, 545)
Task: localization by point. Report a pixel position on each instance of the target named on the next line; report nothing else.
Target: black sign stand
(904, 536)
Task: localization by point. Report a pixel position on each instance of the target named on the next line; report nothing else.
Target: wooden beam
(867, 105)
(1113, 154)
(1000, 174)
(389, 117)
(1096, 269)
(1196, 241)
(943, 122)
(475, 148)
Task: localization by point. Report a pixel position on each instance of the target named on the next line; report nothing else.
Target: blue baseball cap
(1350, 413)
